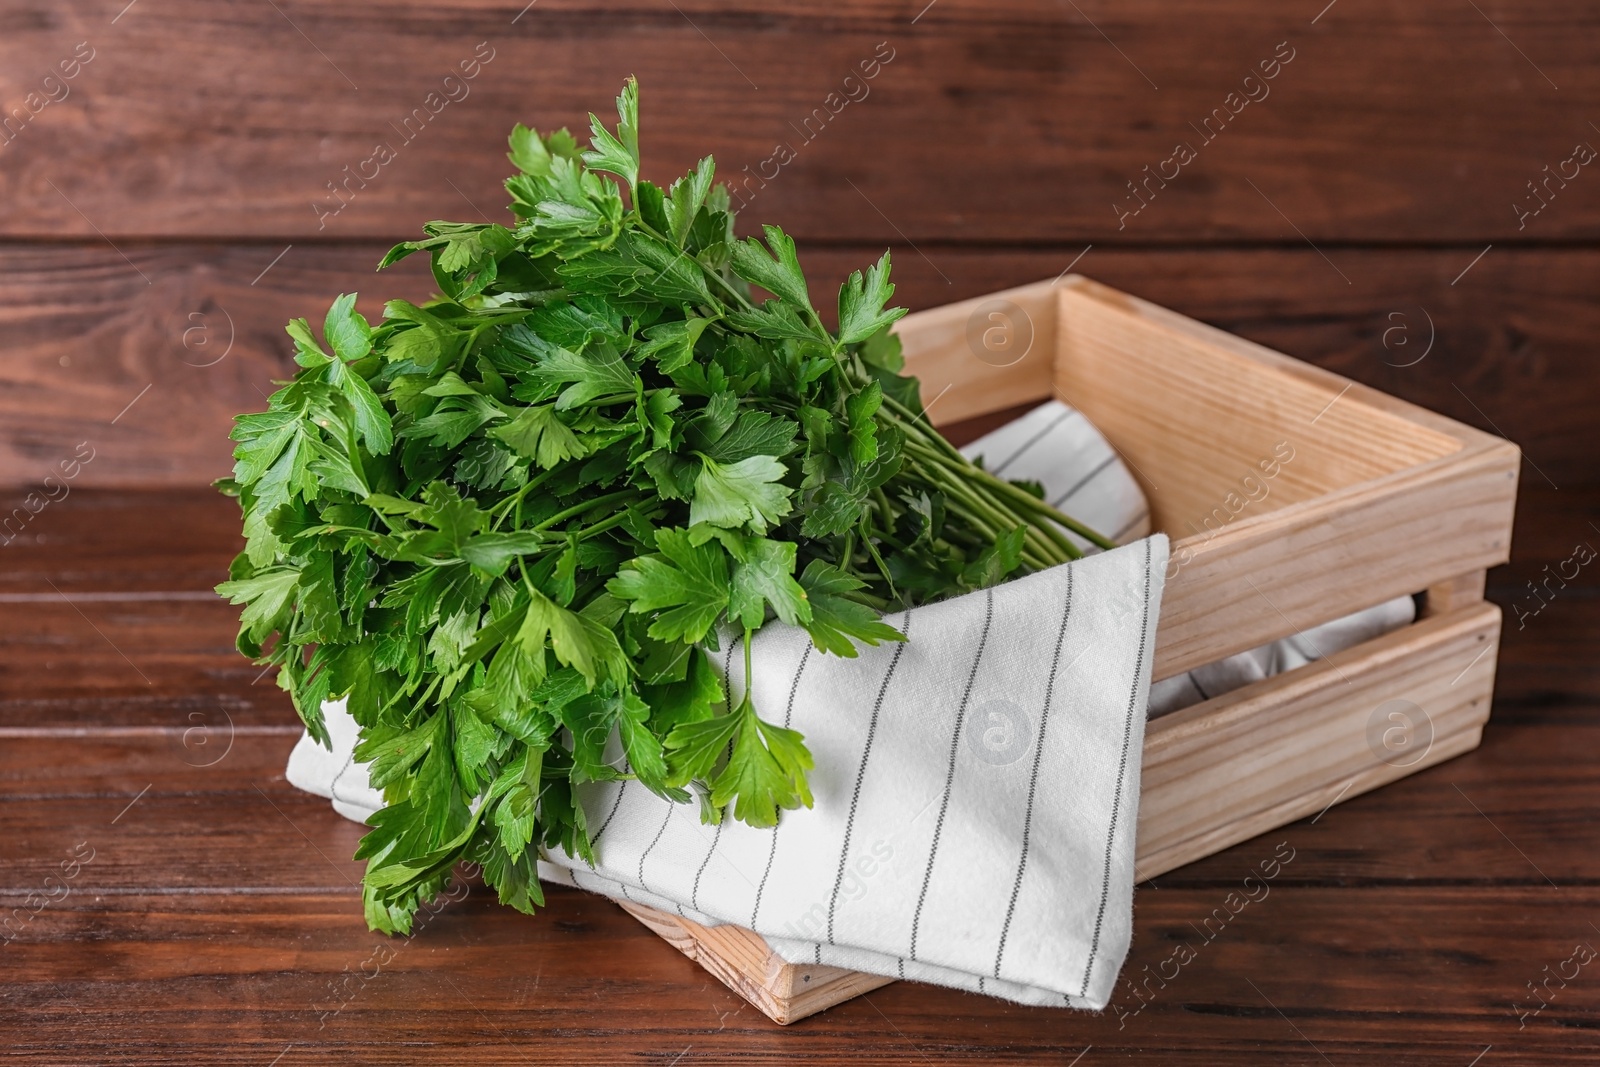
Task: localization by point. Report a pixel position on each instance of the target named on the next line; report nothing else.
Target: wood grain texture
(110, 544)
(1420, 122)
(1295, 744)
(60, 654)
(1454, 593)
(225, 977)
(178, 542)
(1258, 498)
(600, 989)
(1428, 816)
(741, 960)
(1508, 348)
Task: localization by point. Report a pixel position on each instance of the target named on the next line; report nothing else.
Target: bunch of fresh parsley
(506, 523)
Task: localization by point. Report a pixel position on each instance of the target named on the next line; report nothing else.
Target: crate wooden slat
(740, 959)
(1380, 499)
(1221, 772)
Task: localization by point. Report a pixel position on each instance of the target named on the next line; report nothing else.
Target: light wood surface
(1454, 593)
(785, 992)
(1378, 497)
(1376, 488)
(1286, 747)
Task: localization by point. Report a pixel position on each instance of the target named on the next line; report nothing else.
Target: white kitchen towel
(333, 772)
(976, 793)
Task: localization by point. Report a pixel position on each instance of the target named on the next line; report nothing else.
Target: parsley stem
(883, 568)
(995, 515)
(606, 524)
(588, 505)
(746, 700)
(944, 457)
(961, 504)
(882, 500)
(985, 487)
(916, 423)
(1027, 500)
(515, 499)
(877, 603)
(1018, 497)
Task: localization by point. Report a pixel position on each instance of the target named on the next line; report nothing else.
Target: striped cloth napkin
(976, 794)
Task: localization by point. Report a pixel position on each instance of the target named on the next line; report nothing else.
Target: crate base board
(740, 959)
(1215, 774)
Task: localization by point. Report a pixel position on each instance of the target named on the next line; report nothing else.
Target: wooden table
(206, 912)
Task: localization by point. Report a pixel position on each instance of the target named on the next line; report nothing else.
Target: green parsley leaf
(779, 272)
(685, 588)
(861, 304)
(536, 433)
(836, 619)
(747, 493)
(618, 153)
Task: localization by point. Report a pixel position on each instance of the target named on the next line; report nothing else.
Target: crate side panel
(984, 354)
(1285, 571)
(1212, 432)
(1221, 772)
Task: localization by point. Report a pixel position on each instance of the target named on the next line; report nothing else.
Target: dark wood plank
(250, 934)
(138, 544)
(198, 756)
(215, 921)
(1010, 121)
(86, 336)
(108, 661)
(139, 382)
(1502, 814)
(110, 630)
(248, 832)
(1548, 669)
(1357, 977)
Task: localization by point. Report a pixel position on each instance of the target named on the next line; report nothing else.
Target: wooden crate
(1380, 499)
